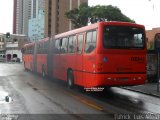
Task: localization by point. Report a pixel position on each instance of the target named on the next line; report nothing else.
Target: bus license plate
(124, 79)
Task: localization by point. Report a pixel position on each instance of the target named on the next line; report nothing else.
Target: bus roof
(43, 40)
(39, 41)
(29, 44)
(79, 30)
(93, 26)
(123, 24)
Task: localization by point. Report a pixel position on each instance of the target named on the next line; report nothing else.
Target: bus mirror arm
(22, 50)
(77, 49)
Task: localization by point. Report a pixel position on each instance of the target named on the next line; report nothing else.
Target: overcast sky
(145, 12)
(6, 13)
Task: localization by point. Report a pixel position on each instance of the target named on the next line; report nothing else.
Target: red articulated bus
(101, 54)
(28, 56)
(42, 56)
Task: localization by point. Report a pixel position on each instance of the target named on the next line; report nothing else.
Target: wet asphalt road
(30, 94)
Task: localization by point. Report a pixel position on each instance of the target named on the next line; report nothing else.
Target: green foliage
(150, 46)
(84, 14)
(79, 17)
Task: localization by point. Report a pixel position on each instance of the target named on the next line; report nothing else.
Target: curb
(143, 92)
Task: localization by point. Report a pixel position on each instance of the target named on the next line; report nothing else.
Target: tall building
(55, 20)
(21, 15)
(2, 43)
(36, 23)
(26, 15)
(36, 27)
(54, 10)
(17, 17)
(36, 6)
(14, 16)
(33, 9)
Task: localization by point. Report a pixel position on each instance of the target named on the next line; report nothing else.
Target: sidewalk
(148, 88)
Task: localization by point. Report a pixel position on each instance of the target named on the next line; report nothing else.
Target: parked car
(15, 59)
(2, 58)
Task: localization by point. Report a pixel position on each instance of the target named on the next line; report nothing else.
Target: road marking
(92, 105)
(86, 102)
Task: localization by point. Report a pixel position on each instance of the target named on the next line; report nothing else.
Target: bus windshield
(123, 37)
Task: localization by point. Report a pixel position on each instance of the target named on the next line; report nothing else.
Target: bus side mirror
(22, 50)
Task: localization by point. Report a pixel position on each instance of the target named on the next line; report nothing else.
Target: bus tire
(43, 71)
(70, 79)
(31, 67)
(43, 74)
(25, 67)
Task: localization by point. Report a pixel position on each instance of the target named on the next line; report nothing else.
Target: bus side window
(41, 48)
(80, 43)
(23, 50)
(32, 50)
(29, 50)
(90, 41)
(57, 47)
(71, 44)
(26, 51)
(64, 45)
(45, 50)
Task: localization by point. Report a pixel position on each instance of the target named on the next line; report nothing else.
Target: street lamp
(153, 4)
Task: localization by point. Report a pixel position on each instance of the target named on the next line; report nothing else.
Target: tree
(84, 14)
(108, 13)
(79, 17)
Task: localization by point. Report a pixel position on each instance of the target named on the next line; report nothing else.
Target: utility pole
(153, 4)
(157, 48)
(7, 40)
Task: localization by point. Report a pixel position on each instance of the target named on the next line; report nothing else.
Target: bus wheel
(25, 67)
(70, 79)
(43, 72)
(31, 67)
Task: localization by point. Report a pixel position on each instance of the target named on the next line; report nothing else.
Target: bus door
(63, 59)
(56, 59)
(89, 58)
(35, 58)
(79, 60)
(50, 57)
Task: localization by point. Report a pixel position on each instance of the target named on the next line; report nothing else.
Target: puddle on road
(4, 97)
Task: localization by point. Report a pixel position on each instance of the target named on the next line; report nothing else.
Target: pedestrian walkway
(148, 88)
